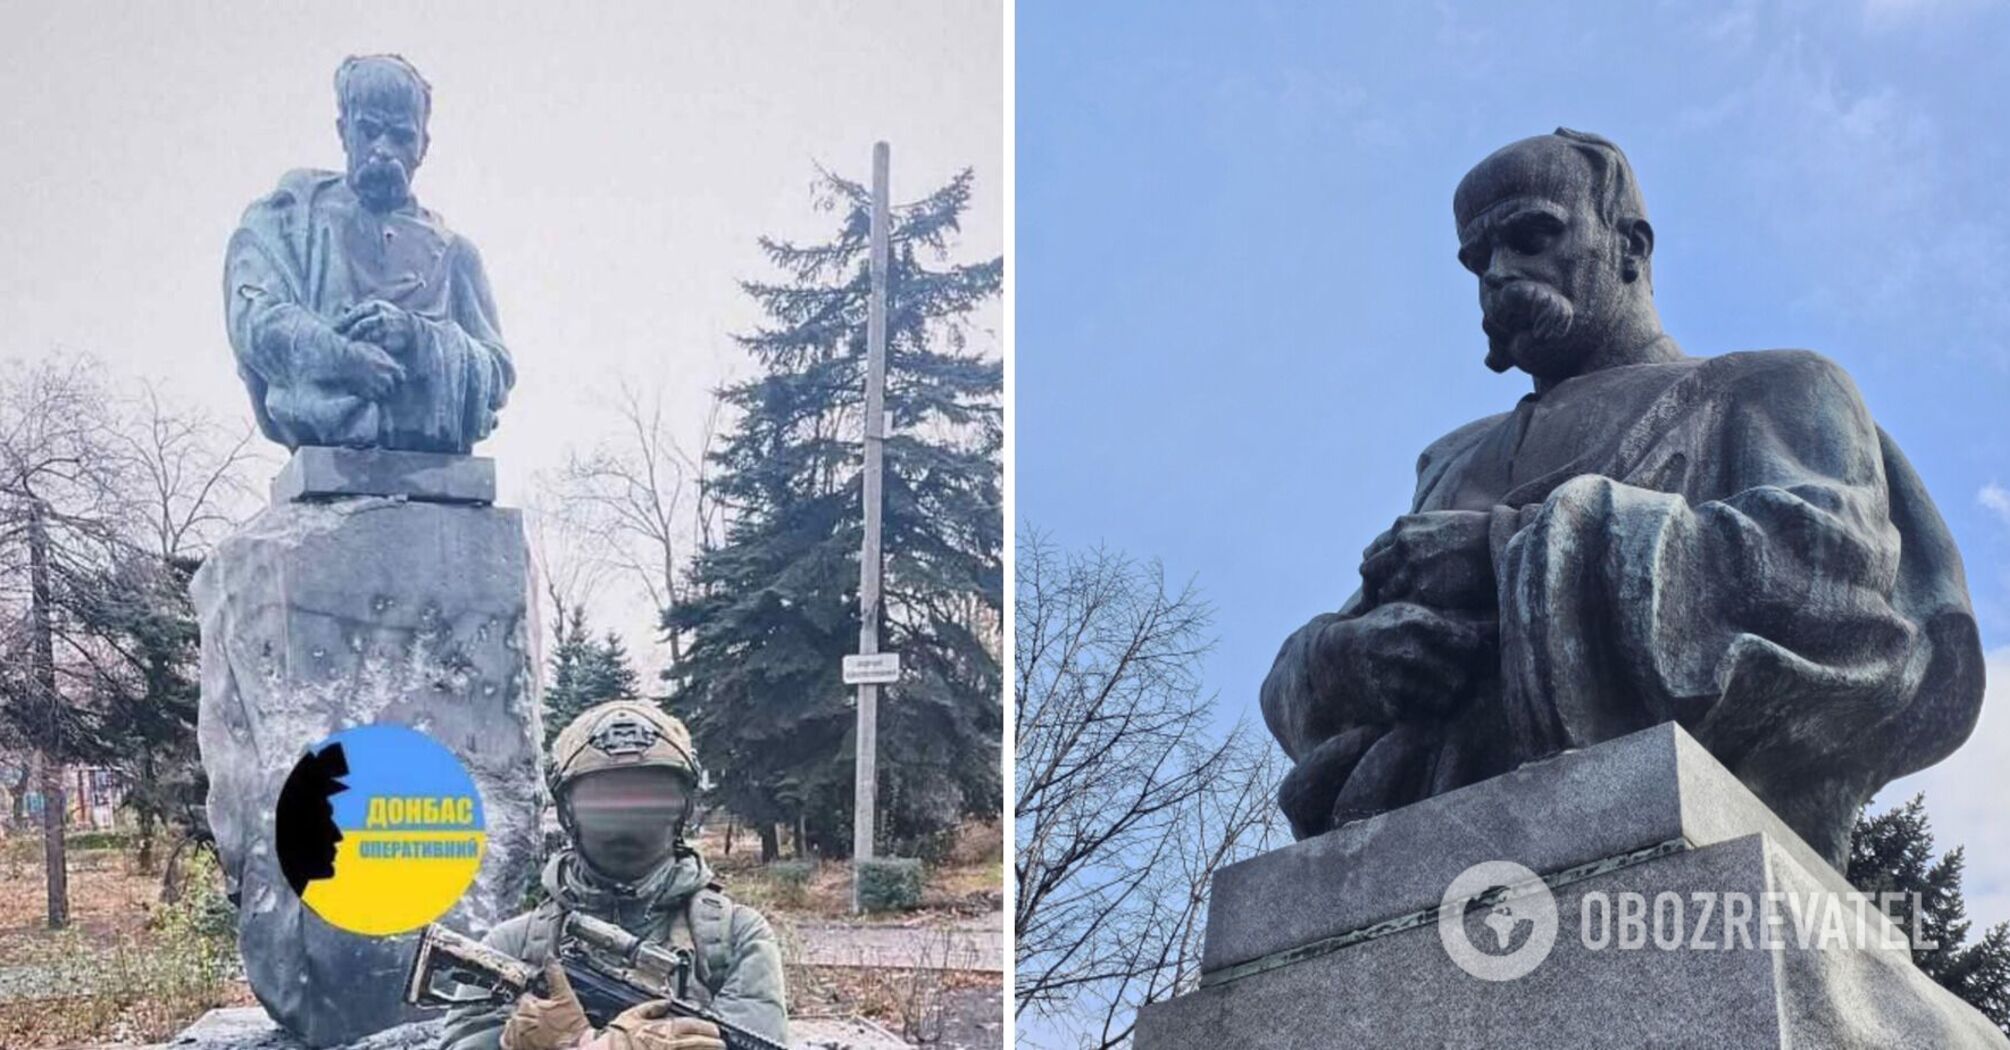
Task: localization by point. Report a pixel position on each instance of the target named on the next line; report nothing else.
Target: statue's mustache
(1523, 306)
(382, 169)
(1526, 306)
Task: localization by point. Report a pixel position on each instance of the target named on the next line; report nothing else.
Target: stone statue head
(1555, 229)
(382, 105)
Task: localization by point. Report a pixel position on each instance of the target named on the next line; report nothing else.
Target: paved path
(980, 948)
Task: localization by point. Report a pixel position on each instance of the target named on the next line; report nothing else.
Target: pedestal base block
(1663, 869)
(316, 472)
(323, 615)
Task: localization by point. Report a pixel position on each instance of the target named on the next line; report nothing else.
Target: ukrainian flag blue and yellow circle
(410, 827)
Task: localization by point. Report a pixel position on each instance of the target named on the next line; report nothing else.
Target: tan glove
(557, 1023)
(649, 1026)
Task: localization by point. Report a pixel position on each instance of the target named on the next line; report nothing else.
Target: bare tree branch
(635, 505)
(191, 474)
(1129, 797)
(106, 501)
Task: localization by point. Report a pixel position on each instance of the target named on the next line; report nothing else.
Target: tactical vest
(703, 926)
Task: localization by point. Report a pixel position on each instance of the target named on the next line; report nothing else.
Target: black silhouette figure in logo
(305, 827)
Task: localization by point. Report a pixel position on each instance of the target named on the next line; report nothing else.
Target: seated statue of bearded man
(357, 317)
(1729, 543)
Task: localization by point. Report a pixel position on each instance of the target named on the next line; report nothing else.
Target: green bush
(792, 872)
(930, 846)
(889, 883)
(81, 840)
(146, 985)
(784, 884)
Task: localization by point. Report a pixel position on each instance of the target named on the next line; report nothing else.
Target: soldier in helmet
(624, 774)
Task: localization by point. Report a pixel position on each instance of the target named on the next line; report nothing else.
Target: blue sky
(1239, 315)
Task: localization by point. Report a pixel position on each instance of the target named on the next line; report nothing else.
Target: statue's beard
(381, 180)
(1525, 309)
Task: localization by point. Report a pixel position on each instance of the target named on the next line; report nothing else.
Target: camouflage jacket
(738, 962)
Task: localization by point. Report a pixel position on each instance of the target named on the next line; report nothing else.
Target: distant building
(92, 796)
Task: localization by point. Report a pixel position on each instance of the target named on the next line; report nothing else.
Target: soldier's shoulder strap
(544, 927)
(710, 913)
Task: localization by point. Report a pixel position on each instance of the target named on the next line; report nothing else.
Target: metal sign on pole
(878, 669)
(865, 789)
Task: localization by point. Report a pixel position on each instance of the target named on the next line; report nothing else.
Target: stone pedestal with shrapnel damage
(1623, 927)
(379, 587)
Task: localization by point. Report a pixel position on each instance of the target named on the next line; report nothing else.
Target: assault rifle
(609, 968)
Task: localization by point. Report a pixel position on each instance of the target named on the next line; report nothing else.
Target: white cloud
(1996, 499)
(1965, 801)
(1859, 176)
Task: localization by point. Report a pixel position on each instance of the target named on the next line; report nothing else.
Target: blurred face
(626, 821)
(385, 141)
(1548, 265)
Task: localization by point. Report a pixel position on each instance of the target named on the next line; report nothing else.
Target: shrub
(194, 945)
(787, 882)
(145, 986)
(83, 840)
(932, 847)
(888, 883)
(792, 872)
(978, 842)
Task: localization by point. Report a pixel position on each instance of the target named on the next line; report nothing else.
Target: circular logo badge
(379, 829)
(1497, 920)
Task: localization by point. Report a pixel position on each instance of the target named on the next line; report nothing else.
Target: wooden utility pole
(866, 788)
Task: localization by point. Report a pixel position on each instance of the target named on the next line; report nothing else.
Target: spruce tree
(773, 607)
(1893, 853)
(144, 681)
(562, 693)
(584, 672)
(605, 674)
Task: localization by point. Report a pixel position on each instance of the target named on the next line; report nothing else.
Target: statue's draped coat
(310, 250)
(1729, 543)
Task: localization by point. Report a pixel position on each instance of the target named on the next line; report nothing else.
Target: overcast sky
(614, 163)
(1240, 316)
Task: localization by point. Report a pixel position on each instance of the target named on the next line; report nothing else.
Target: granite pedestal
(1335, 941)
(380, 588)
(316, 473)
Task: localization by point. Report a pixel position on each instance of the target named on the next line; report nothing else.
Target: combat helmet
(621, 734)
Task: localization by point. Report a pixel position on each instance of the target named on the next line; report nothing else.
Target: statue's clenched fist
(372, 373)
(1370, 684)
(1401, 662)
(1437, 558)
(384, 324)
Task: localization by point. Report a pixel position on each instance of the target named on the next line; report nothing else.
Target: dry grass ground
(106, 899)
(967, 885)
(923, 1002)
(126, 970)
(129, 970)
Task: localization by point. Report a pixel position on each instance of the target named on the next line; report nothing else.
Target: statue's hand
(370, 371)
(1403, 662)
(385, 324)
(1437, 558)
(1378, 683)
